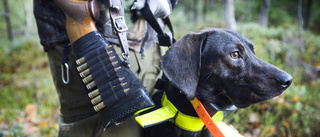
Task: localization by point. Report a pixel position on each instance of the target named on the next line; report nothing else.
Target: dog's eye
(235, 55)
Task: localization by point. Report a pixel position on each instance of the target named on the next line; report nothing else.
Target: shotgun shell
(120, 79)
(109, 52)
(99, 106)
(91, 85)
(96, 100)
(117, 69)
(114, 63)
(111, 58)
(93, 93)
(80, 61)
(82, 67)
(108, 47)
(126, 90)
(87, 79)
(85, 73)
(123, 84)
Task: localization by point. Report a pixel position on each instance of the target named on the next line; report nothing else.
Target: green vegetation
(29, 105)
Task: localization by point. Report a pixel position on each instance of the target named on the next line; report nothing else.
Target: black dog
(217, 66)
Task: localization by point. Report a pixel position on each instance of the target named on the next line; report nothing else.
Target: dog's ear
(182, 62)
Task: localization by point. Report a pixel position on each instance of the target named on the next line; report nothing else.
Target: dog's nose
(285, 80)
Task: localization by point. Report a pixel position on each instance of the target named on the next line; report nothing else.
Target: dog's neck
(180, 101)
(213, 95)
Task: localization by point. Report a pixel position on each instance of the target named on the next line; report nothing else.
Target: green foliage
(311, 43)
(16, 130)
(315, 20)
(289, 114)
(278, 16)
(24, 80)
(246, 10)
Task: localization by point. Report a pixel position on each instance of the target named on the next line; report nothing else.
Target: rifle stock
(80, 17)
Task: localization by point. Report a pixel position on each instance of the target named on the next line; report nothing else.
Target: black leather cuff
(115, 91)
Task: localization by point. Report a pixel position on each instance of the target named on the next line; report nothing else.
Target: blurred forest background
(285, 33)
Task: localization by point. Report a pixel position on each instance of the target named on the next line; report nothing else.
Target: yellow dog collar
(170, 112)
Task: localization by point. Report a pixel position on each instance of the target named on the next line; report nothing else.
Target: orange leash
(206, 119)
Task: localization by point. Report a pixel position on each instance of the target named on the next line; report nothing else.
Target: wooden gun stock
(80, 17)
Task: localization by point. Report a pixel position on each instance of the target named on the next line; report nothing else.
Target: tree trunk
(208, 6)
(300, 19)
(195, 10)
(249, 8)
(8, 19)
(307, 15)
(205, 9)
(229, 15)
(264, 13)
(28, 11)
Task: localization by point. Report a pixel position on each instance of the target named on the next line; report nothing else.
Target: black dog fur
(217, 66)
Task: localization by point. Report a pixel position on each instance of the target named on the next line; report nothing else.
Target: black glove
(114, 90)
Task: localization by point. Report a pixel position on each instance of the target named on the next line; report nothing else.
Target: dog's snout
(284, 80)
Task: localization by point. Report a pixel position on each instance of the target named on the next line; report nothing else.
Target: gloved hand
(159, 8)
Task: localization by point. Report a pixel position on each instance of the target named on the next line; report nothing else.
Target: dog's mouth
(255, 97)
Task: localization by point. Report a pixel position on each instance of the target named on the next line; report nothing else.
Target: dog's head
(220, 66)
